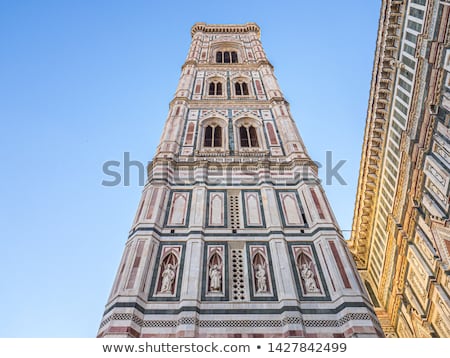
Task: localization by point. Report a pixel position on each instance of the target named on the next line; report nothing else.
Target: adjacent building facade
(233, 236)
(401, 228)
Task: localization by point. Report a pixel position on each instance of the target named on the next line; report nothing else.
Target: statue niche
(260, 273)
(215, 274)
(307, 273)
(168, 275)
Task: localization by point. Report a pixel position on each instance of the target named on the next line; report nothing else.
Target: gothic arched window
(226, 57)
(218, 89)
(253, 137)
(244, 88)
(217, 137)
(234, 57)
(219, 57)
(215, 89)
(244, 136)
(241, 88)
(237, 89)
(248, 137)
(213, 136)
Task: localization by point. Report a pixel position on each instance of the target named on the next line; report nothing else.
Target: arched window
(244, 89)
(226, 57)
(208, 136)
(212, 89)
(219, 56)
(241, 88)
(213, 136)
(234, 57)
(215, 89)
(217, 136)
(253, 137)
(244, 136)
(238, 89)
(248, 137)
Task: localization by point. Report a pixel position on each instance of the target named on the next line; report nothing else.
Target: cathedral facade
(234, 236)
(401, 227)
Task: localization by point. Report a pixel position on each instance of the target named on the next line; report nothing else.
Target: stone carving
(168, 276)
(309, 278)
(215, 278)
(261, 280)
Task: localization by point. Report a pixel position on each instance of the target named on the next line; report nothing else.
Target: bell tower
(233, 236)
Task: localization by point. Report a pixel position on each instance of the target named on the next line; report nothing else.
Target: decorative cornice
(225, 29)
(189, 62)
(206, 65)
(380, 99)
(258, 311)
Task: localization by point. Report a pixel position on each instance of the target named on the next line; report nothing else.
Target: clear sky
(83, 81)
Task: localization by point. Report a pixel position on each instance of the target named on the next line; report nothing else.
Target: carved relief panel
(262, 284)
(168, 271)
(215, 272)
(307, 272)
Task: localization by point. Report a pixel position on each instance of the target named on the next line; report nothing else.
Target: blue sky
(82, 82)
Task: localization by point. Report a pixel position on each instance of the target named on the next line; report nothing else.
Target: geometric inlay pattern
(239, 323)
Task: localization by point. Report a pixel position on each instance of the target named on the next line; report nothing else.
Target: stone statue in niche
(215, 278)
(261, 280)
(168, 276)
(308, 278)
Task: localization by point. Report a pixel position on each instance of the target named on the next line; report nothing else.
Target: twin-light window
(248, 137)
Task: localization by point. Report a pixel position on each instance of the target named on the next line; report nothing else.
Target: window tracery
(226, 57)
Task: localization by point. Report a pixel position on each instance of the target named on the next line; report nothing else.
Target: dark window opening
(253, 137)
(244, 137)
(244, 89)
(241, 89)
(219, 57)
(248, 137)
(212, 89)
(226, 57)
(219, 89)
(234, 57)
(217, 137)
(213, 136)
(215, 89)
(238, 89)
(208, 136)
